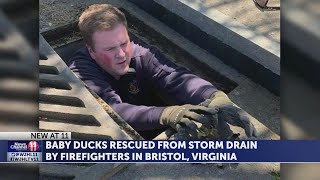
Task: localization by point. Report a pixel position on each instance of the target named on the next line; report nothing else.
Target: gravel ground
(53, 13)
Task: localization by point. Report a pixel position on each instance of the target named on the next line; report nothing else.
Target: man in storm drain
(144, 87)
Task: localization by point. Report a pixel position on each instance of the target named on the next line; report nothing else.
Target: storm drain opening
(66, 40)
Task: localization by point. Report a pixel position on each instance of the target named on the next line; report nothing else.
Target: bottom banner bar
(117, 151)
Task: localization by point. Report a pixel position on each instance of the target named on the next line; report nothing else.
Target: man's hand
(187, 116)
(230, 112)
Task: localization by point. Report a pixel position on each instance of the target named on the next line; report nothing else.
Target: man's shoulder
(81, 54)
(81, 57)
(138, 50)
(147, 52)
(81, 60)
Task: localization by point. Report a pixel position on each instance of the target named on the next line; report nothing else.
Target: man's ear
(91, 51)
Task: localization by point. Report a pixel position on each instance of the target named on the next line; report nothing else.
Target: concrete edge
(216, 37)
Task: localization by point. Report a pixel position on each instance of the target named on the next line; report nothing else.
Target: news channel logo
(24, 151)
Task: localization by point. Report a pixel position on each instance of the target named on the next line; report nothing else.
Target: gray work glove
(183, 133)
(186, 117)
(230, 112)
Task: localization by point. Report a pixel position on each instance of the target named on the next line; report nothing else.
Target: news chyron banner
(57, 147)
(23, 147)
(244, 151)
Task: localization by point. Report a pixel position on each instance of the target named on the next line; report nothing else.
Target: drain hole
(78, 119)
(61, 100)
(57, 84)
(48, 69)
(43, 57)
(6, 54)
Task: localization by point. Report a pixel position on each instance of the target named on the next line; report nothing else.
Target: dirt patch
(55, 13)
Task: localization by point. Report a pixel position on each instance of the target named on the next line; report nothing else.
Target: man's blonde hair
(99, 17)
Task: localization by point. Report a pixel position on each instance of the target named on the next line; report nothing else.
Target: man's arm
(187, 88)
(139, 117)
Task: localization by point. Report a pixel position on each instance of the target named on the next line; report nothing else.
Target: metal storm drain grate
(65, 104)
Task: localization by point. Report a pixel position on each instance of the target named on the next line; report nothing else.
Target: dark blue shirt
(132, 95)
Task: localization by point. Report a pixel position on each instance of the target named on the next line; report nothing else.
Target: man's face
(112, 50)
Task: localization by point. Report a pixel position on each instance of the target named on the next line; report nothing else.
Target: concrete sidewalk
(267, 23)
